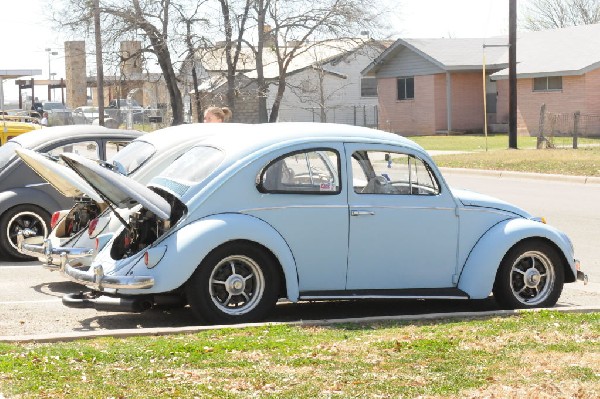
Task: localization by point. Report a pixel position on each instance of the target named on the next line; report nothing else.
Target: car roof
(240, 139)
(168, 136)
(48, 135)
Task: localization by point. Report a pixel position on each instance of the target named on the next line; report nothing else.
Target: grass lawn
(584, 161)
(542, 354)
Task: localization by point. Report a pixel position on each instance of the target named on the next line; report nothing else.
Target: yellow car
(10, 128)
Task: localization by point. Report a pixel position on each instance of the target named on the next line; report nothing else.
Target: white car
(306, 211)
(89, 223)
(86, 115)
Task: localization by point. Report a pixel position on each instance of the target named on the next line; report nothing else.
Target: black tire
(531, 275)
(237, 282)
(18, 218)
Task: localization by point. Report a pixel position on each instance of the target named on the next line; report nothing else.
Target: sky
(26, 35)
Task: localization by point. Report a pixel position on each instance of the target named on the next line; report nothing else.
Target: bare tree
(148, 21)
(234, 25)
(298, 25)
(552, 14)
(193, 42)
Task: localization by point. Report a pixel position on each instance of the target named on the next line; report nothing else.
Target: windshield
(7, 153)
(194, 166)
(130, 158)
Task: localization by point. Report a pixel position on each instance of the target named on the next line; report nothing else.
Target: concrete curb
(523, 175)
(73, 336)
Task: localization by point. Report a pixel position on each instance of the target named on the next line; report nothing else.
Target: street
(30, 301)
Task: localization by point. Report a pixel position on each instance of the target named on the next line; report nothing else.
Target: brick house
(429, 86)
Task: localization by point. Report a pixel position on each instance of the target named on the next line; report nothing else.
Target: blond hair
(222, 113)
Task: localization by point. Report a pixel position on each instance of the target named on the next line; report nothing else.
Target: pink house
(428, 86)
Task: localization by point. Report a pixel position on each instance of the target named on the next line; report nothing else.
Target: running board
(410, 293)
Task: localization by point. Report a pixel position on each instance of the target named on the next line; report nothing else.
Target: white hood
(63, 179)
(121, 191)
(472, 198)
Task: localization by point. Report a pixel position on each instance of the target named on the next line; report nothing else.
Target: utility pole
(99, 67)
(512, 74)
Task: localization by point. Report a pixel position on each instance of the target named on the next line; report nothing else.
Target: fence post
(540, 138)
(354, 108)
(575, 128)
(364, 115)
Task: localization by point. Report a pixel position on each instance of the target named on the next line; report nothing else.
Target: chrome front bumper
(96, 279)
(581, 276)
(53, 257)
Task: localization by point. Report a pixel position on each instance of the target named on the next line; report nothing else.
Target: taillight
(92, 226)
(54, 220)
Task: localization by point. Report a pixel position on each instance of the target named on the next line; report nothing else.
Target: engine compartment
(144, 227)
(79, 217)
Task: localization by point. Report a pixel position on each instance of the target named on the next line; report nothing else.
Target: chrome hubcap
(28, 223)
(532, 278)
(236, 285)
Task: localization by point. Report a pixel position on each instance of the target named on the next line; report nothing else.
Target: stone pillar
(75, 71)
(131, 60)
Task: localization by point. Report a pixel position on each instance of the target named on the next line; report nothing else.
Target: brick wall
(407, 117)
(579, 93)
(467, 102)
(426, 114)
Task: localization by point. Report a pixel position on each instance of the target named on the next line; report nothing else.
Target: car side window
(88, 149)
(112, 147)
(379, 172)
(306, 172)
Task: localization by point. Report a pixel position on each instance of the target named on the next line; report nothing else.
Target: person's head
(217, 115)
(45, 114)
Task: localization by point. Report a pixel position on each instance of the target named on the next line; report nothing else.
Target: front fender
(189, 245)
(479, 272)
(27, 195)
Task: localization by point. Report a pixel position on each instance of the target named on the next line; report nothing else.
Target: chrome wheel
(236, 285)
(532, 274)
(532, 278)
(30, 222)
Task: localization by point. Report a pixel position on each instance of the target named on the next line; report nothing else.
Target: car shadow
(58, 288)
(287, 312)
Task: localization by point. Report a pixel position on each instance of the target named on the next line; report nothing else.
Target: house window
(548, 83)
(368, 87)
(406, 88)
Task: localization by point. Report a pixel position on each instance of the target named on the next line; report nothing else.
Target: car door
(403, 222)
(302, 198)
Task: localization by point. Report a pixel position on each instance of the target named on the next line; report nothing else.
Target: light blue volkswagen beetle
(302, 211)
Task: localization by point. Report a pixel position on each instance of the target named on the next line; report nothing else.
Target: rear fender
(479, 272)
(189, 245)
(27, 195)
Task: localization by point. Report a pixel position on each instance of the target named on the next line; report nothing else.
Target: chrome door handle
(361, 213)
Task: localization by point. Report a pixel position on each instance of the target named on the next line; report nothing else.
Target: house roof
(557, 52)
(449, 54)
(307, 56)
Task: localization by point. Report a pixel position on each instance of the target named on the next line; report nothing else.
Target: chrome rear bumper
(53, 257)
(96, 279)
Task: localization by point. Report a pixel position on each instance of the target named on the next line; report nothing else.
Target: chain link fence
(565, 129)
(145, 120)
(356, 115)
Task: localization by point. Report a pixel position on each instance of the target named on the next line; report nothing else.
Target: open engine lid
(63, 179)
(119, 190)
